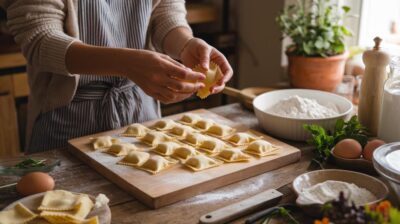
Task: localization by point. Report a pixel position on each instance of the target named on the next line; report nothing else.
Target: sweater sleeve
(38, 27)
(167, 15)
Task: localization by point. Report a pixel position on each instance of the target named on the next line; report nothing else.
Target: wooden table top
(73, 175)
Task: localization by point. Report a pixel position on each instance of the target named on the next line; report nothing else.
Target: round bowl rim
(378, 199)
(340, 115)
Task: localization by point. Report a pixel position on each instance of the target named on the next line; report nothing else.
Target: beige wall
(260, 46)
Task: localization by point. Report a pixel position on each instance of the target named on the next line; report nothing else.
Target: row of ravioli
(196, 142)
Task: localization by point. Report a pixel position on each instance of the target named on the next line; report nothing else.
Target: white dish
(293, 128)
(383, 159)
(32, 202)
(306, 180)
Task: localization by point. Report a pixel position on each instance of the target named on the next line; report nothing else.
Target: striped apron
(101, 102)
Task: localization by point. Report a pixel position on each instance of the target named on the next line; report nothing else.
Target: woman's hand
(162, 77)
(197, 51)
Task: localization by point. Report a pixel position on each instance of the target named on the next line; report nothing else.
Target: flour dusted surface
(299, 107)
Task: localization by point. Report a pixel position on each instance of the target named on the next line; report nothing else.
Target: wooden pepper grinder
(373, 80)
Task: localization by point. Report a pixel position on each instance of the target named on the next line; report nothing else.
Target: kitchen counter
(73, 175)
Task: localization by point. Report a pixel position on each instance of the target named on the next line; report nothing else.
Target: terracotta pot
(316, 72)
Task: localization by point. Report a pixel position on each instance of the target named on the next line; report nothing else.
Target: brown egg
(370, 148)
(35, 182)
(348, 149)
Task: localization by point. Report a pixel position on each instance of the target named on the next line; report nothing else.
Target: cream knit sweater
(46, 28)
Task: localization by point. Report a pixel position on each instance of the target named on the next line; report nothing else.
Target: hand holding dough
(213, 75)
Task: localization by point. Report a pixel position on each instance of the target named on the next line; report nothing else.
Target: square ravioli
(103, 142)
(242, 138)
(201, 162)
(164, 124)
(154, 137)
(135, 158)
(180, 131)
(157, 164)
(189, 119)
(166, 148)
(232, 155)
(261, 148)
(135, 130)
(195, 139)
(184, 152)
(212, 146)
(121, 149)
(204, 124)
(220, 130)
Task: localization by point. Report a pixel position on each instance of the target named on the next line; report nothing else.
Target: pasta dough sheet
(213, 75)
(17, 215)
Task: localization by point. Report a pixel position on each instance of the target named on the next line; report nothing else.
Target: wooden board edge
(222, 181)
(115, 179)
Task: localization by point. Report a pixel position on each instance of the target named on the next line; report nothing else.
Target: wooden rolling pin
(247, 95)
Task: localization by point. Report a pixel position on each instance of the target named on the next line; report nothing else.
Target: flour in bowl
(300, 107)
(330, 190)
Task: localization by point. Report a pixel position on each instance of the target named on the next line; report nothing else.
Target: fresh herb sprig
(29, 163)
(324, 140)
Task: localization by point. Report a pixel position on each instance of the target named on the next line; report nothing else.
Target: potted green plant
(317, 54)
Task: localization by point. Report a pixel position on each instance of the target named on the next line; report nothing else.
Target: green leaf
(346, 9)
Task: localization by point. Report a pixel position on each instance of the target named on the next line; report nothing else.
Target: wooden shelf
(12, 60)
(201, 13)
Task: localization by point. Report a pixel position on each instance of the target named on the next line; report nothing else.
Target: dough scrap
(213, 75)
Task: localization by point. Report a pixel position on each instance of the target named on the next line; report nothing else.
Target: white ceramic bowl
(292, 128)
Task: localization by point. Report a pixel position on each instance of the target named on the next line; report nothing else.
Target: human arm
(157, 74)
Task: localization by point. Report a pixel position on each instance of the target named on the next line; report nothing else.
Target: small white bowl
(293, 128)
(306, 180)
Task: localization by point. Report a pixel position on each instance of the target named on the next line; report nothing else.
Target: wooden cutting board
(178, 183)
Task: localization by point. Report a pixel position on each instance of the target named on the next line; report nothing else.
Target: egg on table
(348, 149)
(35, 182)
(370, 147)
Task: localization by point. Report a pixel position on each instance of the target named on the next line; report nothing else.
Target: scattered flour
(299, 107)
(329, 190)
